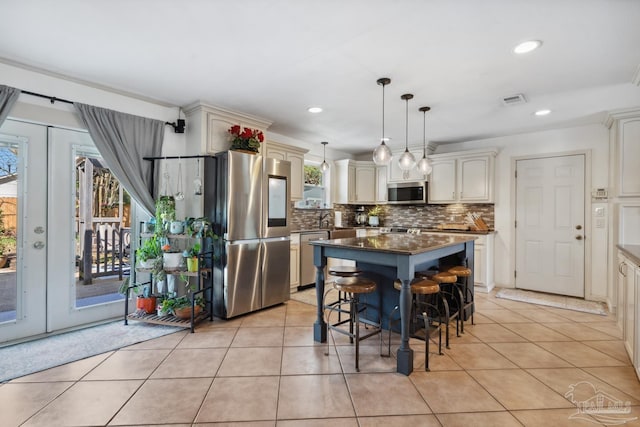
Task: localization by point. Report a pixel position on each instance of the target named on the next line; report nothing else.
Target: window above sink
(315, 189)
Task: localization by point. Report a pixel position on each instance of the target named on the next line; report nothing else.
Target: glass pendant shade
(425, 166)
(324, 166)
(406, 161)
(382, 154)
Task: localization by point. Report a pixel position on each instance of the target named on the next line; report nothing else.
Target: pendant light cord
(424, 133)
(406, 129)
(382, 138)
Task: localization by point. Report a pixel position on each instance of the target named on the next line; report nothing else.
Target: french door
(550, 225)
(38, 288)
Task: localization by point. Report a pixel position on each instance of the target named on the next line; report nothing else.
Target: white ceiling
(275, 58)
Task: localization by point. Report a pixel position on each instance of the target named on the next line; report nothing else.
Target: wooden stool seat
(344, 271)
(355, 285)
(460, 271)
(444, 277)
(420, 286)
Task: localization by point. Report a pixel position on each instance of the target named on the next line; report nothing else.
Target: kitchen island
(384, 258)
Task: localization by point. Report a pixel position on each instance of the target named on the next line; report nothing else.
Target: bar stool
(450, 294)
(353, 288)
(342, 271)
(467, 294)
(420, 310)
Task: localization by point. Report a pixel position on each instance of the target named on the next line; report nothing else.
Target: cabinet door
(620, 293)
(297, 175)
(630, 310)
(474, 180)
(442, 184)
(351, 184)
(479, 262)
(276, 154)
(365, 184)
(381, 184)
(294, 273)
(395, 174)
(628, 155)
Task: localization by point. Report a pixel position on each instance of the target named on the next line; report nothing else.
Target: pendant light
(382, 154)
(424, 164)
(406, 161)
(324, 166)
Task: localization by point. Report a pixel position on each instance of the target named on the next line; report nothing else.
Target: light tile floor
(514, 367)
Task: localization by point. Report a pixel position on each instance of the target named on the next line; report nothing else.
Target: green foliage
(312, 175)
(149, 249)
(165, 210)
(193, 251)
(375, 211)
(170, 304)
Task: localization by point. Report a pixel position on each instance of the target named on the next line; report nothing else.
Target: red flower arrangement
(245, 138)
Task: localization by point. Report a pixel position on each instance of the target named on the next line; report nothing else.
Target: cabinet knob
(579, 237)
(578, 227)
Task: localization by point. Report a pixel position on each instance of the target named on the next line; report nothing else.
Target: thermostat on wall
(599, 193)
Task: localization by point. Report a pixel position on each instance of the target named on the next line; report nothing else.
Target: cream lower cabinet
(462, 178)
(294, 155)
(294, 269)
(627, 286)
(483, 250)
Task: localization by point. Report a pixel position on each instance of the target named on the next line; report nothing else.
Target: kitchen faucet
(322, 217)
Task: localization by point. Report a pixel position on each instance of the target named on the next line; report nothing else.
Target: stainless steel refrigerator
(247, 198)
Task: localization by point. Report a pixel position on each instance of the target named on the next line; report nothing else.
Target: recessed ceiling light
(314, 109)
(527, 46)
(542, 112)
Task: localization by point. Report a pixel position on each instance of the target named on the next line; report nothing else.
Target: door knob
(578, 227)
(38, 230)
(578, 237)
(38, 245)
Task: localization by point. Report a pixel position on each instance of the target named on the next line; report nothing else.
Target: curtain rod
(53, 99)
(174, 157)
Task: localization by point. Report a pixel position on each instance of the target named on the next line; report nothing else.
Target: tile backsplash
(419, 216)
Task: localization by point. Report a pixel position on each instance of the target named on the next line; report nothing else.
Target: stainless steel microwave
(408, 193)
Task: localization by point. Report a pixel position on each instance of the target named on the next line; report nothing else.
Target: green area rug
(559, 301)
(26, 358)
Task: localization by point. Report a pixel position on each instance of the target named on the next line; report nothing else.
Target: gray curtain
(8, 97)
(123, 140)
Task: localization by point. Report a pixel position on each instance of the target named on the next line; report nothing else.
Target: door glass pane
(8, 230)
(102, 232)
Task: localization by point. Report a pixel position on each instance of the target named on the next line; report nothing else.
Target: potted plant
(148, 252)
(181, 306)
(245, 139)
(165, 212)
(191, 256)
(374, 215)
(145, 302)
(172, 258)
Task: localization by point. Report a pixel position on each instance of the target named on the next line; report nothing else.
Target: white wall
(594, 138)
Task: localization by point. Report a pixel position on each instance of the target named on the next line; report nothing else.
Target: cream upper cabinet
(355, 182)
(395, 174)
(462, 177)
(207, 128)
(381, 184)
(442, 181)
(294, 155)
(628, 153)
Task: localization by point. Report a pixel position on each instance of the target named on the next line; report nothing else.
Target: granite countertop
(632, 252)
(424, 230)
(398, 243)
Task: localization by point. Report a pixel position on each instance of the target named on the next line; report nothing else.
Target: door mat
(559, 301)
(33, 356)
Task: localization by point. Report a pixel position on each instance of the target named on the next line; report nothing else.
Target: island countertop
(396, 243)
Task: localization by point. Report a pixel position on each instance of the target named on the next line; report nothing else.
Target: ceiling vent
(516, 99)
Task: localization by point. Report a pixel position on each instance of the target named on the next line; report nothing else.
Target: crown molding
(227, 114)
(623, 113)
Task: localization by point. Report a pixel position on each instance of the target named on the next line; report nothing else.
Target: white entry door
(38, 198)
(550, 225)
